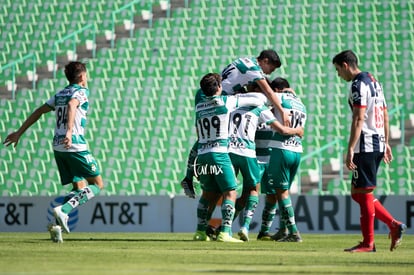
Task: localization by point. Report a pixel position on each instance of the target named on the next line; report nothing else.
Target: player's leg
(202, 216)
(282, 168)
(287, 215)
(210, 194)
(82, 164)
(237, 163)
(226, 180)
(251, 175)
(396, 227)
(269, 210)
(212, 231)
(77, 185)
(63, 163)
(363, 183)
(268, 215)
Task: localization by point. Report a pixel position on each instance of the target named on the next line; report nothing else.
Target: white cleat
(61, 218)
(56, 233)
(244, 234)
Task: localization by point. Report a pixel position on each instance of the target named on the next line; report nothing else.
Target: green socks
(82, 196)
(287, 215)
(251, 205)
(268, 214)
(202, 214)
(227, 212)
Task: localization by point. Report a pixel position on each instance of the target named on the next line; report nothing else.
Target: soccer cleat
(397, 230)
(361, 248)
(188, 186)
(295, 237)
(280, 234)
(212, 232)
(226, 238)
(264, 236)
(201, 236)
(61, 218)
(56, 233)
(244, 234)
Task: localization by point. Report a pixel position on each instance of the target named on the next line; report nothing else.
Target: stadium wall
(314, 214)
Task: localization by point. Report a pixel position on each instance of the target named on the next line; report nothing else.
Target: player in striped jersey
(367, 146)
(283, 164)
(74, 161)
(242, 149)
(235, 77)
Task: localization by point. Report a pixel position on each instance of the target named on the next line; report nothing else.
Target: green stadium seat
(30, 188)
(170, 58)
(9, 188)
(338, 187)
(146, 187)
(405, 186)
(48, 188)
(125, 187)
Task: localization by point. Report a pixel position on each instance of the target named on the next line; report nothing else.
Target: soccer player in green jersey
(75, 163)
(242, 149)
(283, 164)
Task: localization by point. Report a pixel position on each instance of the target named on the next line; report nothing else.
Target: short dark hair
(279, 83)
(347, 56)
(210, 83)
(73, 71)
(272, 56)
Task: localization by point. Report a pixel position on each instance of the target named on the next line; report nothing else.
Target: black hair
(279, 83)
(346, 56)
(271, 56)
(210, 83)
(74, 70)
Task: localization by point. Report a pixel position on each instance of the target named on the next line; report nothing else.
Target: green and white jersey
(242, 128)
(297, 112)
(212, 119)
(239, 73)
(59, 103)
(263, 137)
(236, 76)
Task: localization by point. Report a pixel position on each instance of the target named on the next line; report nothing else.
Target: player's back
(297, 112)
(59, 102)
(242, 128)
(212, 120)
(239, 73)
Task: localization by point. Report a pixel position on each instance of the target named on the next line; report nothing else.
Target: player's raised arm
(35, 116)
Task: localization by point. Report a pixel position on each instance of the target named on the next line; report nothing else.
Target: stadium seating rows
(140, 126)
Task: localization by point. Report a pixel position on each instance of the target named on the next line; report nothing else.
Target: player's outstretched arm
(13, 138)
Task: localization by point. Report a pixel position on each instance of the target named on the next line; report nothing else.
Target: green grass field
(176, 253)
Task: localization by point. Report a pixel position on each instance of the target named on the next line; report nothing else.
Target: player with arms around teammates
(75, 163)
(367, 146)
(283, 163)
(242, 149)
(235, 77)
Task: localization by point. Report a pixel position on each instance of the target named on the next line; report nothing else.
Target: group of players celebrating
(249, 125)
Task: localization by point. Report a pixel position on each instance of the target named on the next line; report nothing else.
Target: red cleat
(361, 248)
(397, 230)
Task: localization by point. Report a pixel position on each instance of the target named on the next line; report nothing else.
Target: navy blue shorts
(365, 176)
